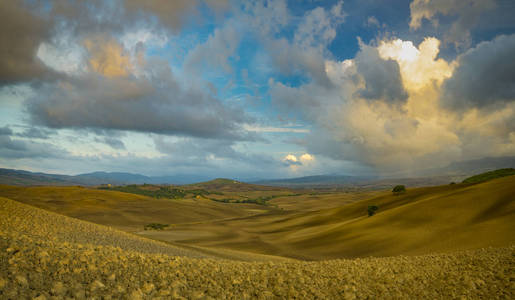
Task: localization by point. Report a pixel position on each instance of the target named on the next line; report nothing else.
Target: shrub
(372, 210)
(155, 226)
(399, 189)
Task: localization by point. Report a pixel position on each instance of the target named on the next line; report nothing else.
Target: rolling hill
(46, 255)
(127, 211)
(420, 221)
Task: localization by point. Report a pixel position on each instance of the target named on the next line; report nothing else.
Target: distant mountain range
(20, 177)
(456, 171)
(316, 180)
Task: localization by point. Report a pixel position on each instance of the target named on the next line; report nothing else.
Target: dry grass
(46, 255)
(420, 221)
(126, 211)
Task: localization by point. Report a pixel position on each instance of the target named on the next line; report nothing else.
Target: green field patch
(490, 175)
(149, 190)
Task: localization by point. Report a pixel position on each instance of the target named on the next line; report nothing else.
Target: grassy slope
(44, 255)
(123, 210)
(423, 220)
(490, 175)
(17, 220)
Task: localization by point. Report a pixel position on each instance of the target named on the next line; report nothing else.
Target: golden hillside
(44, 255)
(126, 211)
(420, 221)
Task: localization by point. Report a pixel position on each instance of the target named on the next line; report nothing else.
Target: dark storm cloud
(20, 36)
(382, 78)
(485, 76)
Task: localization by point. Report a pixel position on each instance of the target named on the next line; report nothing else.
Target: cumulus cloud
(412, 135)
(291, 160)
(304, 54)
(419, 66)
(467, 12)
(135, 105)
(484, 77)
(122, 93)
(106, 56)
(381, 77)
(269, 17)
(216, 51)
(318, 27)
(306, 158)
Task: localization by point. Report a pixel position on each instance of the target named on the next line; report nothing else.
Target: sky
(255, 89)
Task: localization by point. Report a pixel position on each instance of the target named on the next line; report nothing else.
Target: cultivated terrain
(227, 239)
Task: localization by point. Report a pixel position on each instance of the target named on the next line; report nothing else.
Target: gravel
(49, 256)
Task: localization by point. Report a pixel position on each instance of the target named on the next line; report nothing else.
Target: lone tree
(399, 189)
(372, 210)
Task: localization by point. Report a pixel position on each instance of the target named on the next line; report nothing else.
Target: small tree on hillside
(372, 210)
(399, 189)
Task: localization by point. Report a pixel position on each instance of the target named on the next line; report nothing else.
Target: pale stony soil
(47, 256)
(39, 224)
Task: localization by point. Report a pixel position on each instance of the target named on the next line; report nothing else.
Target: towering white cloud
(419, 130)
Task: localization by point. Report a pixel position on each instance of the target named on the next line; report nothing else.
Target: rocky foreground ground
(49, 256)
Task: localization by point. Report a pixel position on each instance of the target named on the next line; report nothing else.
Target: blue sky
(255, 89)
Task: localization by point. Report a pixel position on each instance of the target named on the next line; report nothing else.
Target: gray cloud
(172, 14)
(21, 149)
(382, 77)
(209, 150)
(157, 104)
(5, 131)
(36, 133)
(27, 24)
(216, 51)
(485, 76)
(112, 142)
(20, 35)
(304, 54)
(467, 12)
(169, 13)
